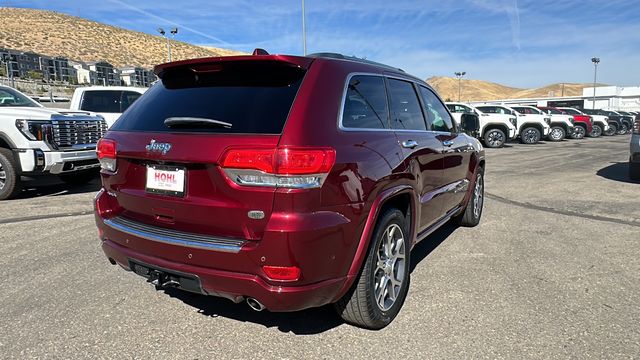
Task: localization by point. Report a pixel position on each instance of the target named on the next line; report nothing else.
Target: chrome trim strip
(175, 237)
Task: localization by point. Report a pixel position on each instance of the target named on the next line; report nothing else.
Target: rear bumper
(322, 244)
(234, 285)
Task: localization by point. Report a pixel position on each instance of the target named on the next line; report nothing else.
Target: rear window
(108, 101)
(253, 97)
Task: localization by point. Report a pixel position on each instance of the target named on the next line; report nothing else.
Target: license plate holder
(166, 180)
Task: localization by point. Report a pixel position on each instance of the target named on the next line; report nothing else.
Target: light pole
(459, 75)
(304, 32)
(173, 32)
(595, 62)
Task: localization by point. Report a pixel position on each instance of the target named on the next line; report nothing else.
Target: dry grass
(478, 90)
(53, 34)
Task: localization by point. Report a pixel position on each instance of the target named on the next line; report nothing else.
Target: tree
(35, 75)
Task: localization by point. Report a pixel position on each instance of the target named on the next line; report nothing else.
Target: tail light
(293, 168)
(636, 126)
(107, 154)
(283, 273)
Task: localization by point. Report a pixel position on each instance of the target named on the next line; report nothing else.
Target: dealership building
(606, 97)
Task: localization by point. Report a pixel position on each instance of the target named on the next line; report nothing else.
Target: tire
(557, 133)
(530, 135)
(579, 132)
(79, 177)
(613, 129)
(634, 171)
(494, 138)
(10, 184)
(366, 304)
(596, 131)
(623, 129)
(473, 212)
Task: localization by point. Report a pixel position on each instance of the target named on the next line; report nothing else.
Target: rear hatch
(170, 143)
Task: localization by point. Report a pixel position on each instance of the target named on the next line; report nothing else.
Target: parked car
(599, 117)
(634, 157)
(288, 182)
(625, 121)
(36, 141)
(561, 124)
(531, 129)
(495, 129)
(108, 101)
(583, 123)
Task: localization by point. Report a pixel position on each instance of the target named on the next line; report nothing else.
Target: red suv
(287, 182)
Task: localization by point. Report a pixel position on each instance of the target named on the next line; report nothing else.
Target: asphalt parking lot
(552, 271)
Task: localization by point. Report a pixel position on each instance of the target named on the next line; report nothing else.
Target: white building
(83, 73)
(607, 97)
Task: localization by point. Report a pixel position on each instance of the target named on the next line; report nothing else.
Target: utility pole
(459, 75)
(304, 32)
(595, 62)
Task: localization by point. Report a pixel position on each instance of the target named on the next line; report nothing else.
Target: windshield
(10, 97)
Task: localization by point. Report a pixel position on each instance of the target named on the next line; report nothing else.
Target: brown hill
(478, 90)
(53, 33)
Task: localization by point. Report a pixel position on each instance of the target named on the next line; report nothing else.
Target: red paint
(324, 232)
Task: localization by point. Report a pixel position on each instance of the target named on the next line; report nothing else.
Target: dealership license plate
(168, 180)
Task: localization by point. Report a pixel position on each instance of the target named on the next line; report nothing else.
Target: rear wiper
(186, 121)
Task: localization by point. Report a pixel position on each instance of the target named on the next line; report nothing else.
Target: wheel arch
(402, 197)
(500, 126)
(534, 125)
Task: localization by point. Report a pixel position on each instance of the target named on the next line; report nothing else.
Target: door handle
(447, 143)
(409, 144)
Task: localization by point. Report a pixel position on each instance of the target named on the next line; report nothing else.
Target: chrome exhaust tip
(255, 304)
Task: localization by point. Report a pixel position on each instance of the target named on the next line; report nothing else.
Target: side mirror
(470, 124)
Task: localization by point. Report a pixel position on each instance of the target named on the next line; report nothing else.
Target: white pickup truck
(561, 124)
(108, 101)
(495, 129)
(530, 128)
(38, 141)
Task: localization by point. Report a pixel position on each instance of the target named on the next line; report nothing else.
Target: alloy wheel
(623, 129)
(611, 131)
(3, 177)
(530, 136)
(390, 267)
(556, 134)
(579, 132)
(478, 196)
(495, 139)
(596, 132)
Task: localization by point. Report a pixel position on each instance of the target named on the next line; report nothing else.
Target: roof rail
(330, 55)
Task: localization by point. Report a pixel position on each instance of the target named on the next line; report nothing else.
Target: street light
(595, 62)
(304, 32)
(459, 75)
(173, 32)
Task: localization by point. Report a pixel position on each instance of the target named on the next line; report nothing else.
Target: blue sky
(513, 42)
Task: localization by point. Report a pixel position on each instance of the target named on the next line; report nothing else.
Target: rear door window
(406, 113)
(365, 103)
(253, 97)
(438, 116)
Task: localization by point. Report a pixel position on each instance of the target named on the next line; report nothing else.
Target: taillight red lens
(292, 161)
(255, 159)
(283, 161)
(107, 154)
(283, 273)
(106, 149)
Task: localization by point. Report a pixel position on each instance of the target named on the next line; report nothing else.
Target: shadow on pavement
(305, 322)
(52, 186)
(430, 243)
(617, 172)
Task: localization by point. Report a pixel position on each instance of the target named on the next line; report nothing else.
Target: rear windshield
(108, 101)
(253, 97)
